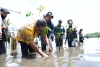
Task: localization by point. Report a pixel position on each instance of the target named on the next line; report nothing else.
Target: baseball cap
(59, 20)
(50, 13)
(70, 21)
(4, 10)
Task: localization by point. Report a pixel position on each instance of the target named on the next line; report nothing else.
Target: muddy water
(86, 56)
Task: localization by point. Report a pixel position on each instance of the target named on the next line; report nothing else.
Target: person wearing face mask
(59, 32)
(50, 33)
(4, 27)
(71, 34)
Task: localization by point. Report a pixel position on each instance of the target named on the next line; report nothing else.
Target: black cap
(70, 21)
(50, 13)
(81, 29)
(4, 10)
(59, 20)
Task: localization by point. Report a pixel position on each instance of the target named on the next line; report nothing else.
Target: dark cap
(59, 20)
(81, 29)
(4, 10)
(50, 13)
(70, 21)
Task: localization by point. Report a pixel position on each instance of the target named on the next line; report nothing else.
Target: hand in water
(45, 55)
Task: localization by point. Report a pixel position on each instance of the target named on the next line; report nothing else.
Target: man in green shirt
(59, 32)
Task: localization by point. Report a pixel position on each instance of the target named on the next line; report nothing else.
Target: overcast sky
(84, 13)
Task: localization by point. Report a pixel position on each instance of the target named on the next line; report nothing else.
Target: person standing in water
(3, 30)
(71, 34)
(48, 17)
(59, 32)
(81, 38)
(28, 32)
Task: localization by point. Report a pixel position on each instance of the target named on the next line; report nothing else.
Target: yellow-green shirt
(26, 33)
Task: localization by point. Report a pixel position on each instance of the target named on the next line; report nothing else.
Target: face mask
(3, 17)
(69, 24)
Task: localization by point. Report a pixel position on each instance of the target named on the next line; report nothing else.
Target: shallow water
(86, 56)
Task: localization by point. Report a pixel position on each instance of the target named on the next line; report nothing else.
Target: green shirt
(59, 29)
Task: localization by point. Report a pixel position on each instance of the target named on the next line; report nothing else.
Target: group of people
(43, 28)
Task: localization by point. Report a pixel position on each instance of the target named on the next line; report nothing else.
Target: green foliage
(40, 8)
(8, 22)
(45, 31)
(92, 35)
(29, 14)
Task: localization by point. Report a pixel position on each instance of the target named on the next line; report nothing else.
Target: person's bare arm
(46, 40)
(35, 47)
(0, 25)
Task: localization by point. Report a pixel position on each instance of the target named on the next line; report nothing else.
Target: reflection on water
(86, 56)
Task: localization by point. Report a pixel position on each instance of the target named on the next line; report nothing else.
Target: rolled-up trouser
(2, 47)
(26, 48)
(59, 40)
(43, 44)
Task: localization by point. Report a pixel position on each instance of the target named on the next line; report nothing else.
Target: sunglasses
(60, 22)
(40, 30)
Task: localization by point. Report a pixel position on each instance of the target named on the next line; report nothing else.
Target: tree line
(92, 35)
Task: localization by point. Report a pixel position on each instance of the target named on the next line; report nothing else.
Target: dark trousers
(70, 43)
(59, 40)
(81, 39)
(43, 44)
(26, 48)
(2, 47)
